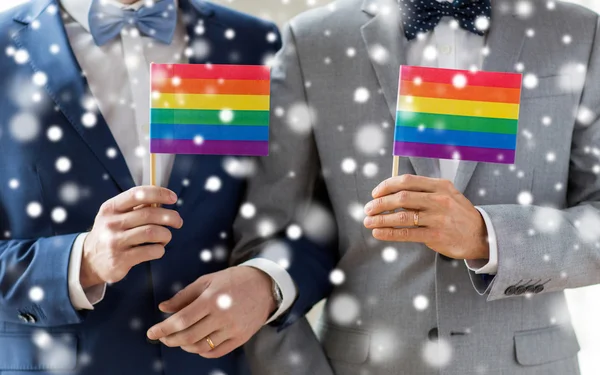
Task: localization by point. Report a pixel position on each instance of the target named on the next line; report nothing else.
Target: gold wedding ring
(416, 218)
(210, 343)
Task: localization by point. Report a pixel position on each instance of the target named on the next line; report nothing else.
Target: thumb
(185, 296)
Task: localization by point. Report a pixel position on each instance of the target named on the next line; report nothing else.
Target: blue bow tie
(421, 16)
(157, 21)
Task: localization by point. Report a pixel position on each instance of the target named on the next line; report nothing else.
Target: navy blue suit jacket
(49, 335)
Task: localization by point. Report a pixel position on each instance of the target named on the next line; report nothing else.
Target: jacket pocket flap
(345, 345)
(545, 345)
(39, 351)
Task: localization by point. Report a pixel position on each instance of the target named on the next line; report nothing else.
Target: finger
(202, 346)
(140, 195)
(147, 234)
(412, 183)
(141, 254)
(149, 215)
(403, 199)
(196, 332)
(179, 321)
(421, 235)
(397, 219)
(223, 349)
(185, 296)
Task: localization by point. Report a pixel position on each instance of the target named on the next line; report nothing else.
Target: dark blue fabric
(421, 16)
(34, 251)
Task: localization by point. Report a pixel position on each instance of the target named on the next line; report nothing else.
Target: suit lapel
(65, 83)
(504, 43)
(386, 46)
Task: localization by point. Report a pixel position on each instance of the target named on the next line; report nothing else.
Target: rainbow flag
(209, 109)
(457, 114)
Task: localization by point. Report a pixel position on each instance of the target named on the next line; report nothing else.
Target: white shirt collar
(79, 9)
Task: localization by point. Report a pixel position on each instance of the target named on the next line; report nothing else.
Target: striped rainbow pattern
(209, 109)
(457, 114)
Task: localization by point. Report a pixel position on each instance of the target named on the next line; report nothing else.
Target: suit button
(510, 291)
(433, 334)
(27, 318)
(538, 289)
(520, 290)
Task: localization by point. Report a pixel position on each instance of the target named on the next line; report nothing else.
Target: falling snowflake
(530, 33)
(524, 8)
(361, 95)
(21, 56)
(248, 210)
(54, 49)
(379, 54)
(89, 119)
(421, 302)
(369, 139)
(530, 81)
(213, 184)
(266, 228)
(36, 294)
(54, 133)
(343, 309)
(482, 23)
(385, 346)
(294, 232)
(63, 164)
(337, 277)
(348, 165)
(430, 53)
(351, 52)
(547, 220)
(58, 215)
(567, 39)
(299, 118)
(40, 78)
(13, 183)
(34, 209)
(271, 37)
(459, 81)
(370, 170)
(224, 301)
(317, 223)
(452, 288)
(389, 254)
(278, 252)
(525, 198)
(572, 77)
(437, 353)
(588, 225)
(69, 193)
(357, 211)
(206, 255)
(585, 115)
(24, 127)
(547, 120)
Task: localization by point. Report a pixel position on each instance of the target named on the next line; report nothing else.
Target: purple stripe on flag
(427, 150)
(239, 148)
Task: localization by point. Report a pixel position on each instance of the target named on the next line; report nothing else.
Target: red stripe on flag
(447, 76)
(213, 71)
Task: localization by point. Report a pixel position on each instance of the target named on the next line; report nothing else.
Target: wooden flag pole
(395, 166)
(153, 173)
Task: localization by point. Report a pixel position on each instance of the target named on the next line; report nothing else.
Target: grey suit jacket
(514, 323)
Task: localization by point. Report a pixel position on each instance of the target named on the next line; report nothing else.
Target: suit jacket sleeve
(287, 190)
(568, 256)
(36, 263)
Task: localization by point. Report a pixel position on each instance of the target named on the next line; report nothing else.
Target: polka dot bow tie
(421, 16)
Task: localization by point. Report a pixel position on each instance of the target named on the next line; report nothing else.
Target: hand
(448, 223)
(127, 232)
(230, 306)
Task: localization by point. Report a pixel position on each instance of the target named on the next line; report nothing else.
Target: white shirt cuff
(486, 266)
(283, 280)
(81, 299)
